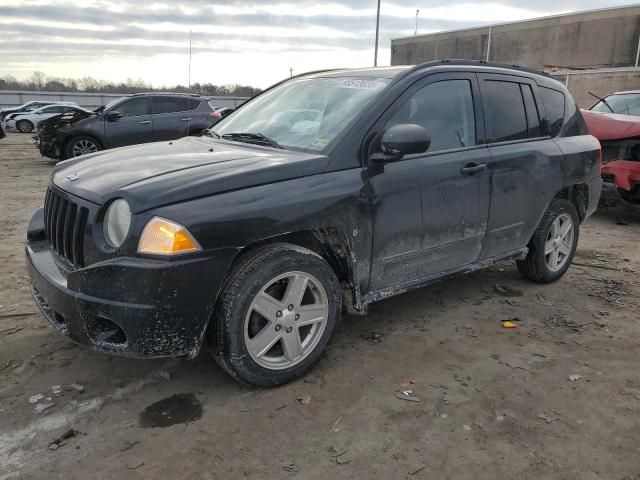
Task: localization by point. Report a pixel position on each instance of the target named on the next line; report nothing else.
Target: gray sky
(234, 41)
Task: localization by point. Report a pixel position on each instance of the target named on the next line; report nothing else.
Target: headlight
(164, 237)
(116, 223)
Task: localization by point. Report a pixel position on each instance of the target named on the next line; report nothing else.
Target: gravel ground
(556, 398)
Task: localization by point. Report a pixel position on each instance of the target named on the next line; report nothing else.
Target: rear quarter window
(554, 105)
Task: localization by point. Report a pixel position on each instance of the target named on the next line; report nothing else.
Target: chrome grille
(65, 223)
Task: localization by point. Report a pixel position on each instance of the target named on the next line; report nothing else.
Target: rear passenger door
(525, 163)
(171, 117)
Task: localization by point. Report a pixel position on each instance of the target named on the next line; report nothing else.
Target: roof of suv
(394, 71)
(166, 93)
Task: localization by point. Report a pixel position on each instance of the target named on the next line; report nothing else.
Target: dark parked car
(140, 118)
(253, 238)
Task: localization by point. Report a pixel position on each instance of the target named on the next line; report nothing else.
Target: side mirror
(114, 116)
(405, 139)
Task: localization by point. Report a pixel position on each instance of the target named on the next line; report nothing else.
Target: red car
(619, 136)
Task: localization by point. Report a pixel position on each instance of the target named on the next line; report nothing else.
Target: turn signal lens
(164, 237)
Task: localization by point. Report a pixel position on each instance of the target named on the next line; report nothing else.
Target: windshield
(624, 104)
(304, 114)
(108, 105)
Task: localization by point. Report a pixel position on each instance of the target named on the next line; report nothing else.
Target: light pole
(375, 58)
(417, 13)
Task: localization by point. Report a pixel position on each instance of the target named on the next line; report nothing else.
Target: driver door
(134, 125)
(431, 209)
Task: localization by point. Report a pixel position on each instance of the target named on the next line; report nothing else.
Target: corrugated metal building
(598, 39)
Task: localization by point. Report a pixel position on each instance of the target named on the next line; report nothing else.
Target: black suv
(349, 184)
(140, 118)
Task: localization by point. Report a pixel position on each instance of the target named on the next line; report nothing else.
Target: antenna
(375, 55)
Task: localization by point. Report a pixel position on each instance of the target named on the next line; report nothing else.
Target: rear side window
(446, 110)
(169, 104)
(554, 108)
(504, 110)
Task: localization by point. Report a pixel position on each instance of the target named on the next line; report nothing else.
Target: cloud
(74, 37)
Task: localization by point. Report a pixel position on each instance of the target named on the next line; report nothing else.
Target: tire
(197, 132)
(264, 350)
(82, 145)
(24, 126)
(547, 249)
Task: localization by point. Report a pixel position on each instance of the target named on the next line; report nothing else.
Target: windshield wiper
(254, 138)
(602, 100)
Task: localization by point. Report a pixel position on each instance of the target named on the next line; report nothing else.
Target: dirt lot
(493, 403)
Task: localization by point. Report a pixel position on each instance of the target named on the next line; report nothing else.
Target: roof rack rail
(455, 61)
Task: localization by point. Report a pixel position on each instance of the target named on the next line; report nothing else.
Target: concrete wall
(12, 98)
(596, 39)
(600, 82)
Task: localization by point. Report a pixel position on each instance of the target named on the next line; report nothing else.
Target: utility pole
(189, 88)
(290, 72)
(375, 58)
(417, 13)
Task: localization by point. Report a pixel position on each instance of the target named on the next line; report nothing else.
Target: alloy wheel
(559, 242)
(82, 147)
(24, 126)
(286, 320)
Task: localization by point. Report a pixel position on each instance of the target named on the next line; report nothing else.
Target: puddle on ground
(181, 408)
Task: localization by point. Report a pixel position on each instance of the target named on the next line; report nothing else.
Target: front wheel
(83, 145)
(24, 126)
(553, 245)
(277, 312)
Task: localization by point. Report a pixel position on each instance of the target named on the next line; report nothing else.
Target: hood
(157, 174)
(611, 126)
(48, 128)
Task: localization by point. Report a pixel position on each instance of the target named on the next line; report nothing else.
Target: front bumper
(133, 307)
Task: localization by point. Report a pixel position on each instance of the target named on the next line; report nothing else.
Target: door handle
(186, 119)
(146, 122)
(473, 168)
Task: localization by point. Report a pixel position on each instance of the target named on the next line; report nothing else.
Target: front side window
(134, 108)
(446, 110)
(504, 111)
(624, 104)
(305, 113)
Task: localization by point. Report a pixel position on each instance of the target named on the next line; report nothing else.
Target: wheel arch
(326, 243)
(72, 137)
(578, 195)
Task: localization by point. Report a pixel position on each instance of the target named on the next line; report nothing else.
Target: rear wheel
(83, 145)
(553, 245)
(277, 313)
(24, 126)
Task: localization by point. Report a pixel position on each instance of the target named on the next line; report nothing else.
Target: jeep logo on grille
(73, 177)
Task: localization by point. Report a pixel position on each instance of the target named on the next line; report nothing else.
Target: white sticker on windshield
(361, 84)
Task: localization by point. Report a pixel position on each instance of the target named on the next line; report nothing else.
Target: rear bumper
(132, 307)
(595, 191)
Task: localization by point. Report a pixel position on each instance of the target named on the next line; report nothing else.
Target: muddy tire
(82, 145)
(553, 244)
(275, 316)
(24, 126)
